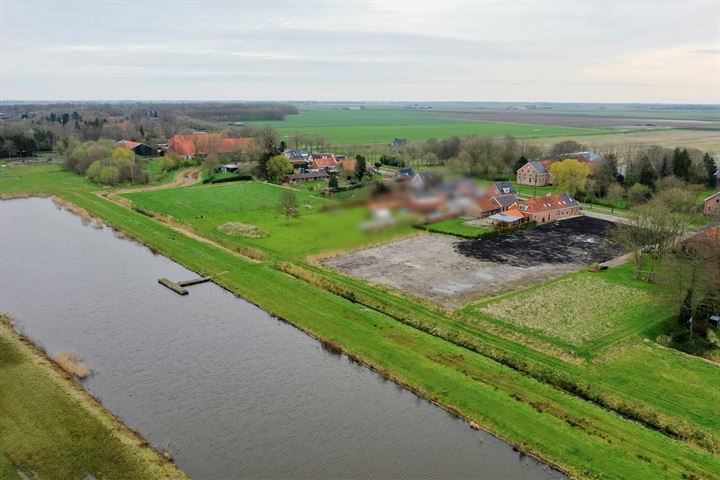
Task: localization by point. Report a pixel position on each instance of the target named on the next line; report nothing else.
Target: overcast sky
(592, 51)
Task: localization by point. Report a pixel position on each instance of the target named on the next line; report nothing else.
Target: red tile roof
(514, 212)
(547, 203)
(325, 162)
(129, 144)
(205, 143)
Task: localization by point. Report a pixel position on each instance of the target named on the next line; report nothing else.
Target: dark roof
(297, 154)
(405, 173)
(505, 200)
(399, 141)
(505, 188)
(538, 166)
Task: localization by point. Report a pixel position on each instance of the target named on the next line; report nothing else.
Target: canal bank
(229, 390)
(53, 428)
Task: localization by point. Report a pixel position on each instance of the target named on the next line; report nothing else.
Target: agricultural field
(346, 127)
(208, 208)
(554, 309)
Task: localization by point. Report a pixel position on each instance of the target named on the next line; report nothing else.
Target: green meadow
(613, 405)
(374, 126)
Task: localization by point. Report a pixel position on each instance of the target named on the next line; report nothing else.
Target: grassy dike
(572, 434)
(577, 436)
(50, 427)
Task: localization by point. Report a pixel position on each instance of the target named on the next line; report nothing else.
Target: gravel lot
(446, 270)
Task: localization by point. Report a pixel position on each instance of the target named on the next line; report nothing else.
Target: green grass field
(457, 227)
(496, 377)
(554, 309)
(206, 208)
(371, 126)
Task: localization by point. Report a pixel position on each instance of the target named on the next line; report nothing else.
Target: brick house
(550, 208)
(712, 205)
(536, 173)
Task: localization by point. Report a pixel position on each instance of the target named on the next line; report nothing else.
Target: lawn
(457, 227)
(50, 429)
(375, 126)
(207, 208)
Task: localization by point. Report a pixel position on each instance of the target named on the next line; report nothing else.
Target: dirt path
(184, 178)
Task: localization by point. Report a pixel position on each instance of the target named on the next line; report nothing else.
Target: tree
(277, 167)
(647, 173)
(665, 170)
(288, 205)
(711, 169)
(360, 167)
(520, 162)
(567, 146)
(615, 193)
(570, 175)
(638, 194)
(690, 280)
(333, 182)
(210, 165)
(681, 163)
(606, 174)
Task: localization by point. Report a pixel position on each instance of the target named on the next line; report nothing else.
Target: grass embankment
(51, 428)
(578, 436)
(611, 378)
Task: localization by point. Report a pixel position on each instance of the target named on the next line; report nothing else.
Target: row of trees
(687, 270)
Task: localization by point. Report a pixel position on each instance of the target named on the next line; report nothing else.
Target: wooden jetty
(179, 287)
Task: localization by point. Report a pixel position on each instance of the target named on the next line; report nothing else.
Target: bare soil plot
(452, 272)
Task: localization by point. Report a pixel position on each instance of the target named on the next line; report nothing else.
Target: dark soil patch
(576, 240)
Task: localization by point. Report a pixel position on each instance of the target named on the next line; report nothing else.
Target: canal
(231, 391)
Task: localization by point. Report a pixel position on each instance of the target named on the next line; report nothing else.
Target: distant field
(346, 127)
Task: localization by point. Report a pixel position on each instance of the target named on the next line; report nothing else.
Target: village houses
(711, 206)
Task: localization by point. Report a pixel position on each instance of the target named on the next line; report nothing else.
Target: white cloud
(489, 50)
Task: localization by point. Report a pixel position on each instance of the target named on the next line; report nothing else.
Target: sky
(555, 51)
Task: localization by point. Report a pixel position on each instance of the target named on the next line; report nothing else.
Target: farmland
(345, 127)
(551, 397)
(380, 124)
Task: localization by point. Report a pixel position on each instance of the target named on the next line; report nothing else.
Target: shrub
(70, 363)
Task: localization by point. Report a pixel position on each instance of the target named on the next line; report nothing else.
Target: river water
(231, 391)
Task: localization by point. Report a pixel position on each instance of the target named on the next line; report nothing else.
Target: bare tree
(288, 205)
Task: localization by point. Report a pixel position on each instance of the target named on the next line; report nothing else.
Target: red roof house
(205, 143)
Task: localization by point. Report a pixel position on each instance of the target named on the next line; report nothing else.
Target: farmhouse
(298, 158)
(205, 143)
(712, 205)
(399, 142)
(549, 208)
(324, 161)
(537, 172)
(140, 149)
